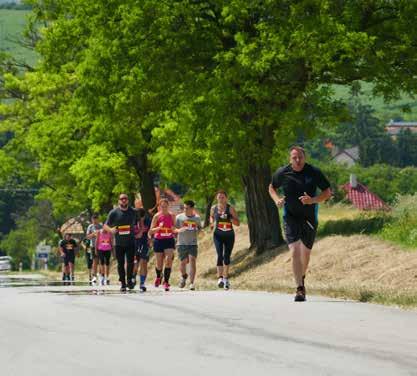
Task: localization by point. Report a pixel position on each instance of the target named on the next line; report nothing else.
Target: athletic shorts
(187, 250)
(69, 257)
(142, 249)
(104, 257)
(160, 245)
(296, 229)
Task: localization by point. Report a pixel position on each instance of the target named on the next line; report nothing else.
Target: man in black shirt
(299, 182)
(121, 222)
(67, 248)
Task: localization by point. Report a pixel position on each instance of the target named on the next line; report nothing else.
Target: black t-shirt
(125, 221)
(68, 245)
(294, 184)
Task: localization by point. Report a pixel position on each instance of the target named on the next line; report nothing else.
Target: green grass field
(12, 23)
(384, 111)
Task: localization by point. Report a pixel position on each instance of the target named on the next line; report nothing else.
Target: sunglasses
(123, 199)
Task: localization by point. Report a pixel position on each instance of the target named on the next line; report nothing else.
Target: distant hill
(12, 23)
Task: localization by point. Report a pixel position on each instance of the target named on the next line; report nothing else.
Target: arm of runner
(108, 224)
(153, 227)
(212, 218)
(235, 218)
(323, 196)
(113, 230)
(91, 235)
(279, 201)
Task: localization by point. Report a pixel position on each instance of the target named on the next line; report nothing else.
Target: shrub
(402, 228)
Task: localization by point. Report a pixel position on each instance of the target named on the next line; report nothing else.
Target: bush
(366, 223)
(402, 228)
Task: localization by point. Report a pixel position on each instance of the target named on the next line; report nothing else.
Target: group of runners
(130, 233)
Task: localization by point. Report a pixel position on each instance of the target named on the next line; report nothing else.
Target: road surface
(76, 330)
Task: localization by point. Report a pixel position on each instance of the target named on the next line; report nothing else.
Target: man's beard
(123, 206)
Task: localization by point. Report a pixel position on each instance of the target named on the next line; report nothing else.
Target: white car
(5, 263)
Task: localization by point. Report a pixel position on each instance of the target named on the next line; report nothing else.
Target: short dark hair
(94, 216)
(189, 203)
(141, 212)
(298, 148)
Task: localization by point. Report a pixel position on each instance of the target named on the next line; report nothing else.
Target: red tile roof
(362, 198)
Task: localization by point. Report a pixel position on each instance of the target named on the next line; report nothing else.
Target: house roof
(351, 152)
(400, 124)
(363, 199)
(72, 226)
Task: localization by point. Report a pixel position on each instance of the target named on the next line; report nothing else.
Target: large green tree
(257, 75)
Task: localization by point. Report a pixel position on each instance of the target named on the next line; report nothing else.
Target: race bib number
(165, 232)
(224, 226)
(124, 230)
(190, 225)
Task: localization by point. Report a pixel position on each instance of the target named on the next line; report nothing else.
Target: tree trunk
(263, 217)
(209, 204)
(147, 188)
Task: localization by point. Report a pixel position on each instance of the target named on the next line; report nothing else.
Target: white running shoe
(182, 283)
(220, 283)
(226, 284)
(192, 286)
(104, 281)
(94, 280)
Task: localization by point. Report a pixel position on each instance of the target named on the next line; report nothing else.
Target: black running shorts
(296, 229)
(69, 257)
(160, 245)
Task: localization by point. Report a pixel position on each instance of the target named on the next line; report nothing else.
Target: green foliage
(123, 85)
(383, 180)
(402, 228)
(32, 227)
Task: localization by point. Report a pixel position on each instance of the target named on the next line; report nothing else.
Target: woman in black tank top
(222, 218)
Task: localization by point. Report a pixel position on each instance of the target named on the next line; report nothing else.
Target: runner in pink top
(162, 227)
(104, 247)
(165, 223)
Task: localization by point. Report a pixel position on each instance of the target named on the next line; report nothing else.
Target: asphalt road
(76, 330)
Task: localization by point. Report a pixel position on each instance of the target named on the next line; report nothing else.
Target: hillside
(12, 23)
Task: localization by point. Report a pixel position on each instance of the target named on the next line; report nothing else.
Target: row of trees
(364, 130)
(207, 93)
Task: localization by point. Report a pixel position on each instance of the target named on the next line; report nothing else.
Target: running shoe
(108, 282)
(192, 286)
(130, 286)
(123, 288)
(142, 288)
(104, 281)
(226, 284)
(182, 283)
(300, 295)
(101, 280)
(166, 286)
(157, 281)
(220, 283)
(94, 280)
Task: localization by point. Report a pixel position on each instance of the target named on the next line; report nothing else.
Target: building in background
(395, 127)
